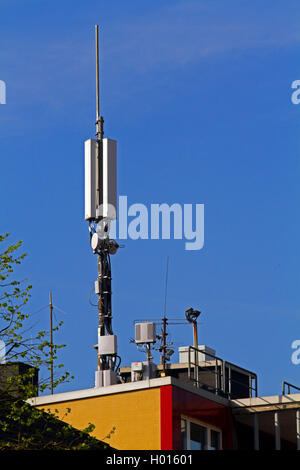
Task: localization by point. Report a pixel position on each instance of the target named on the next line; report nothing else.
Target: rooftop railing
(220, 377)
(287, 386)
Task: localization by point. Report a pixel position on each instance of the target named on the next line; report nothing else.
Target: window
(215, 440)
(183, 434)
(196, 436)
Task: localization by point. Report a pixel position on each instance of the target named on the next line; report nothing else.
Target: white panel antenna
(90, 183)
(109, 182)
(102, 181)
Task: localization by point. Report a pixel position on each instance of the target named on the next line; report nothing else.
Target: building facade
(207, 405)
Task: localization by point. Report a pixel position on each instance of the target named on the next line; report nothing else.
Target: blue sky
(198, 96)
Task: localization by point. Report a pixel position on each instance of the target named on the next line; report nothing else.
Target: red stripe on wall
(166, 418)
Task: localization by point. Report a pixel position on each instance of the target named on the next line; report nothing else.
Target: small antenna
(165, 323)
(51, 343)
(166, 286)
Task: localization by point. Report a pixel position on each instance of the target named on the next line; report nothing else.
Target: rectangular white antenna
(90, 183)
(106, 206)
(109, 182)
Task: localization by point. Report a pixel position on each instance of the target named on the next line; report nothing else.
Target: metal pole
(223, 377)
(99, 119)
(51, 343)
(277, 430)
(298, 428)
(229, 381)
(256, 432)
(196, 350)
(164, 335)
(189, 364)
(97, 72)
(100, 317)
(195, 334)
(99, 134)
(250, 386)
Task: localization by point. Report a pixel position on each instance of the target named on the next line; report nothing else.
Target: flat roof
(126, 387)
(267, 403)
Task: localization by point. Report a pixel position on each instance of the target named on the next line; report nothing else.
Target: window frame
(208, 428)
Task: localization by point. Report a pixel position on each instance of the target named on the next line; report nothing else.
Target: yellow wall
(135, 415)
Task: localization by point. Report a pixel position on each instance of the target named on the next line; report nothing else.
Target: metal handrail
(220, 373)
(252, 376)
(284, 384)
(219, 378)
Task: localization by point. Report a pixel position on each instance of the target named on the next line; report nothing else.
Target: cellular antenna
(100, 210)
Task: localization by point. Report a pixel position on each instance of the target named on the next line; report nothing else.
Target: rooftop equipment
(205, 354)
(192, 316)
(145, 335)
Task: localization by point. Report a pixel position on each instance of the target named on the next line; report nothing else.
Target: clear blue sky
(198, 96)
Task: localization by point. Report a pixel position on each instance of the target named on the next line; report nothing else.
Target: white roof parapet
(95, 392)
(262, 403)
(126, 387)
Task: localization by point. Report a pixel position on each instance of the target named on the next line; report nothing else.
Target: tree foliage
(21, 425)
(22, 342)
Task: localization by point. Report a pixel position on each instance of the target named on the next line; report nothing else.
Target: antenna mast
(100, 210)
(99, 135)
(51, 343)
(165, 323)
(99, 119)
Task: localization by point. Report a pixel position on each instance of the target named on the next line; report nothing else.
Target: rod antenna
(166, 286)
(99, 118)
(51, 343)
